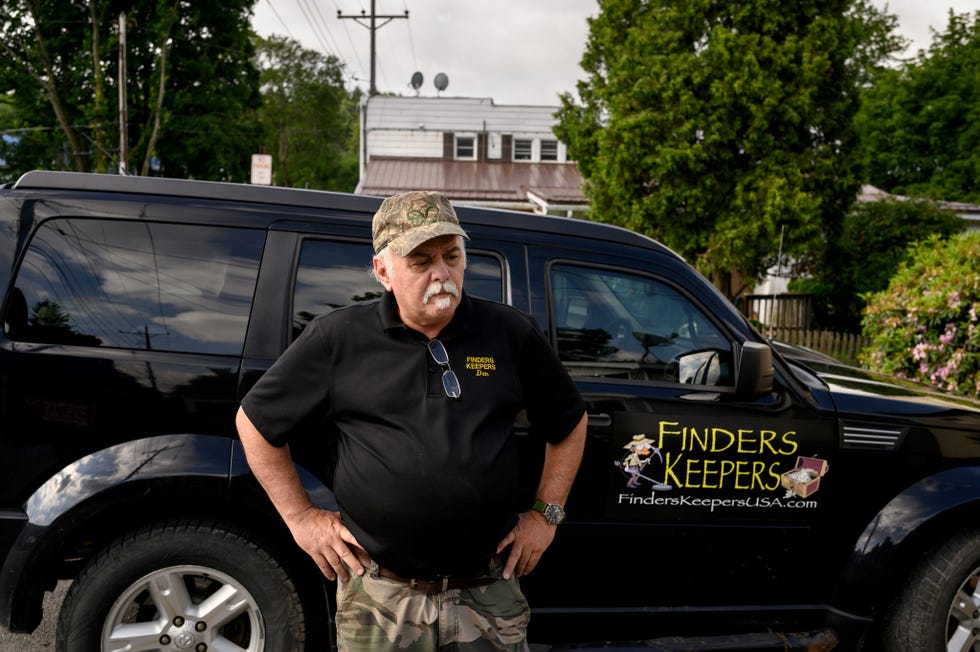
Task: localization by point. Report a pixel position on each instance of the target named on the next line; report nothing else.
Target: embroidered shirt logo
(481, 365)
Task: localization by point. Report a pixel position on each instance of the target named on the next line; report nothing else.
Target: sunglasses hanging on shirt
(450, 383)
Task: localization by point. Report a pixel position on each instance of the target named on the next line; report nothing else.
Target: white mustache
(439, 287)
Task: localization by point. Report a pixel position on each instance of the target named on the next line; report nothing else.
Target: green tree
(873, 242)
(921, 123)
(309, 117)
(712, 125)
(191, 87)
(926, 325)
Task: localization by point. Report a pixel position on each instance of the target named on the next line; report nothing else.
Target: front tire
(940, 606)
(179, 585)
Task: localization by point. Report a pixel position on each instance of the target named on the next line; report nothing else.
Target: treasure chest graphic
(804, 480)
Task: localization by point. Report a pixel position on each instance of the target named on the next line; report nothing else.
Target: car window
(484, 276)
(616, 324)
(136, 285)
(333, 274)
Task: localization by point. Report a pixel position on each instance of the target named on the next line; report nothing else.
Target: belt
(428, 587)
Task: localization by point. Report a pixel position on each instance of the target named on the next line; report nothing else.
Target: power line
(411, 41)
(325, 28)
(370, 21)
(281, 21)
(350, 40)
(316, 33)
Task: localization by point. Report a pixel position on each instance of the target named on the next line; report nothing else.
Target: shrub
(926, 325)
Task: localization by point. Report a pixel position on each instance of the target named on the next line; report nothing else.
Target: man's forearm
(274, 469)
(319, 532)
(561, 462)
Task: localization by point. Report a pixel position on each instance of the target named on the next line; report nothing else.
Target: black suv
(729, 495)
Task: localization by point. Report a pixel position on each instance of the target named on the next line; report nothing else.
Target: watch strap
(552, 512)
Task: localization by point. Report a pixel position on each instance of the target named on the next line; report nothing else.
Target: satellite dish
(417, 80)
(441, 81)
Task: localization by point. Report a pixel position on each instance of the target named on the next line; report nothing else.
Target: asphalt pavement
(42, 640)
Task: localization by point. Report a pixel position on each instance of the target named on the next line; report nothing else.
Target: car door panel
(679, 479)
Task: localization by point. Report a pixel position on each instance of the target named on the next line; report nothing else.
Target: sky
(513, 51)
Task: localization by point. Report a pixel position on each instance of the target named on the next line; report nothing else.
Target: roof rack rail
(86, 181)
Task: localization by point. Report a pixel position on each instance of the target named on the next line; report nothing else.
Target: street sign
(262, 169)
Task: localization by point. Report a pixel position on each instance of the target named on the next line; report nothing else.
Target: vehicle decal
(695, 462)
(638, 456)
(804, 480)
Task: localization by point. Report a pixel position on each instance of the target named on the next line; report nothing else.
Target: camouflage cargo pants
(376, 614)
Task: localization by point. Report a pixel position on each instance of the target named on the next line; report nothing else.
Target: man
(422, 389)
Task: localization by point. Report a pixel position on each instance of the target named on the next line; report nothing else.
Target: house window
(549, 150)
(465, 147)
(523, 149)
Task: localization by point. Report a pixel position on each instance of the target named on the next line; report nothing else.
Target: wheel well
(891, 608)
(93, 524)
(71, 541)
(929, 534)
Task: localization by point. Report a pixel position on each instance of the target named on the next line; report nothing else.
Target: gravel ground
(42, 640)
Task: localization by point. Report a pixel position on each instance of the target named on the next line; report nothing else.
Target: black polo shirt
(427, 484)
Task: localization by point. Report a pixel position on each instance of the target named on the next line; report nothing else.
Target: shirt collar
(388, 312)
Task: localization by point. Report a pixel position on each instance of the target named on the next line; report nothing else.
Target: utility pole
(123, 135)
(373, 26)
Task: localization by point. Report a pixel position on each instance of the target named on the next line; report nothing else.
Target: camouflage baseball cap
(407, 220)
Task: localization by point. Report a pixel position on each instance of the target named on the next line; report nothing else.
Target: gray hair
(385, 257)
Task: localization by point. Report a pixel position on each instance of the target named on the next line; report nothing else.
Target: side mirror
(754, 373)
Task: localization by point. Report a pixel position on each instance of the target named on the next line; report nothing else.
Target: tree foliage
(309, 117)
(926, 325)
(712, 125)
(191, 86)
(873, 243)
(921, 122)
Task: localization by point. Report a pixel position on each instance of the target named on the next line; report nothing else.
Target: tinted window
(331, 275)
(136, 285)
(336, 274)
(615, 324)
(484, 277)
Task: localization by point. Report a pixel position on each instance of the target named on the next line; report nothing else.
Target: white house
(474, 151)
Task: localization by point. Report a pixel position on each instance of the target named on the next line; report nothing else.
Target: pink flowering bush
(926, 325)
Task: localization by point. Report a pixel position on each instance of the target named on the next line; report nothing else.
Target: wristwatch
(553, 512)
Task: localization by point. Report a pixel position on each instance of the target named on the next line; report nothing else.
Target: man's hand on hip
(528, 540)
(327, 540)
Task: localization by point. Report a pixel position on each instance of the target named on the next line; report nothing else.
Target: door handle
(601, 420)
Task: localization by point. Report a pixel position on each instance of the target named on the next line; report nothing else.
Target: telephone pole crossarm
(372, 24)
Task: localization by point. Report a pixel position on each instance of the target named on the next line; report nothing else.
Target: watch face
(554, 514)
